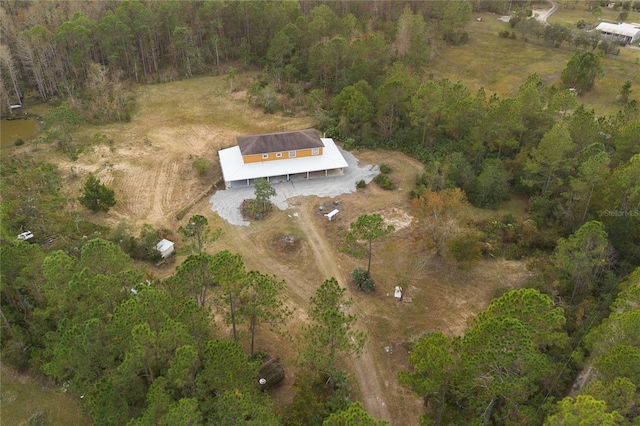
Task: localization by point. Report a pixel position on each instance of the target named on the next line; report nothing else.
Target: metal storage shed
(165, 247)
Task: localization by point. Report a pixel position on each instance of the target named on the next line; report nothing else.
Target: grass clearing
(26, 402)
(570, 14)
(501, 65)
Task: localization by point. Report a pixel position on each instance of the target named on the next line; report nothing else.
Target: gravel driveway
(227, 202)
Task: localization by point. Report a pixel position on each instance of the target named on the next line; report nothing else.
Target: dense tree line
(516, 358)
(87, 50)
(141, 352)
(81, 49)
(500, 370)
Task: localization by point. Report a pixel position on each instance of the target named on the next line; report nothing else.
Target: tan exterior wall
(272, 156)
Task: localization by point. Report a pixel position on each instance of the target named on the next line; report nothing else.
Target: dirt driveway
(365, 367)
(439, 295)
(544, 14)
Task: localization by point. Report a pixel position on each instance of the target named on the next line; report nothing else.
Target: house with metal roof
(620, 31)
(282, 156)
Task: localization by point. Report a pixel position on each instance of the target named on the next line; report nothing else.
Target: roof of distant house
(278, 142)
(624, 29)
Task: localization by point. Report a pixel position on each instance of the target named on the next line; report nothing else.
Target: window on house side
(315, 151)
(278, 154)
(292, 154)
(264, 156)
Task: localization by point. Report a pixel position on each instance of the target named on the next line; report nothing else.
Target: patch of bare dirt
(288, 245)
(396, 217)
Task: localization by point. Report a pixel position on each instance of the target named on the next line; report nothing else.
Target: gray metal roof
(628, 30)
(279, 142)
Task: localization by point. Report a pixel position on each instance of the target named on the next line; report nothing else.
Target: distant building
(280, 156)
(622, 32)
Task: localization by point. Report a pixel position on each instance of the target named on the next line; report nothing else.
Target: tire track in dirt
(164, 180)
(364, 366)
(136, 199)
(168, 200)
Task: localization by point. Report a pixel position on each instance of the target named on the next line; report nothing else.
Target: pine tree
(97, 196)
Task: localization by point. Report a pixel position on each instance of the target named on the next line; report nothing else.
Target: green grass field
(571, 13)
(26, 402)
(501, 65)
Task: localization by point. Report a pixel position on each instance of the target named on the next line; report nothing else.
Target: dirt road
(543, 15)
(364, 366)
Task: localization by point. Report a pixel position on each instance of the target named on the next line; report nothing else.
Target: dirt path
(364, 366)
(581, 381)
(543, 15)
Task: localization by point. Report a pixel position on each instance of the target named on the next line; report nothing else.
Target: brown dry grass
(149, 167)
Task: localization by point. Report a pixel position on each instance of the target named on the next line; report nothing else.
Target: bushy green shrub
(362, 280)
(143, 247)
(201, 165)
(466, 248)
(384, 182)
(384, 168)
(361, 184)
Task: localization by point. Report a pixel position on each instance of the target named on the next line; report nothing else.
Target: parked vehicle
(25, 236)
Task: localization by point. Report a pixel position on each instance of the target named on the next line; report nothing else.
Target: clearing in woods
(149, 165)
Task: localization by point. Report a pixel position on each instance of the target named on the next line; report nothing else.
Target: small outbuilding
(165, 247)
(398, 293)
(622, 32)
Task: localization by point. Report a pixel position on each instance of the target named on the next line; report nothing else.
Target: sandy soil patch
(398, 218)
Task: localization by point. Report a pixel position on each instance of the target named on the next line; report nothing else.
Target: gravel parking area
(227, 202)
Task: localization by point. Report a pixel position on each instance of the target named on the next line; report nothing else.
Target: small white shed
(398, 293)
(165, 247)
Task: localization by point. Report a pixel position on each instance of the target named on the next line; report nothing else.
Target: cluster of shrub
(142, 247)
(383, 180)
